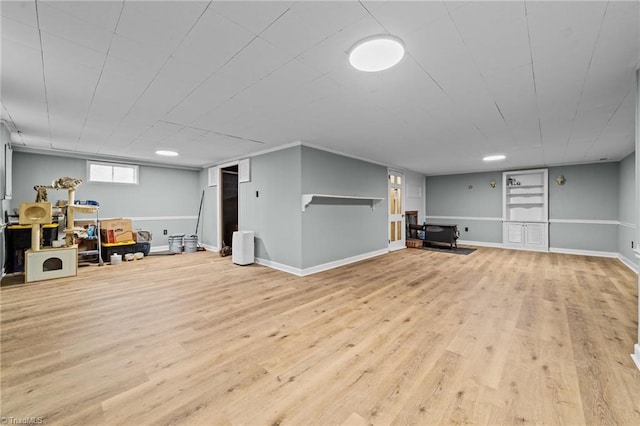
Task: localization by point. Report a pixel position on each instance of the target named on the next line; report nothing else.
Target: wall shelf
(309, 198)
(525, 211)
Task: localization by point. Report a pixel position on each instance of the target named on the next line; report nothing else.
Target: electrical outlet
(257, 194)
(164, 232)
(466, 229)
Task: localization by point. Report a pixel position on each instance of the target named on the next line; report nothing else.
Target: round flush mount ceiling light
(376, 53)
(166, 153)
(497, 157)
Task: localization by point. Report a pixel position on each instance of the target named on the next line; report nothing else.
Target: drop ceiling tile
(306, 20)
(56, 22)
(21, 11)
(255, 62)
(21, 74)
(60, 53)
(212, 42)
(162, 24)
(557, 29)
(19, 33)
(401, 18)
(253, 16)
(136, 58)
(101, 14)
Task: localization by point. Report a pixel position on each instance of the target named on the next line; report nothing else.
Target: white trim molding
(153, 218)
(584, 252)
(343, 262)
(628, 263)
(156, 249)
(628, 225)
(279, 266)
(481, 244)
(492, 219)
(635, 356)
(586, 221)
(319, 268)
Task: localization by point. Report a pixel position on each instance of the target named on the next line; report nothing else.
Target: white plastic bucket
(175, 243)
(191, 244)
(116, 259)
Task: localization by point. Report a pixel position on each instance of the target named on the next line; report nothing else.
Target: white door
(396, 214)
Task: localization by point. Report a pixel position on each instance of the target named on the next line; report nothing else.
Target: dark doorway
(229, 203)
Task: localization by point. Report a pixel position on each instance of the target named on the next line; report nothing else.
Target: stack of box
(117, 231)
(118, 237)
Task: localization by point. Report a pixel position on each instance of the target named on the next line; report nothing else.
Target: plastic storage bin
(243, 247)
(117, 248)
(143, 247)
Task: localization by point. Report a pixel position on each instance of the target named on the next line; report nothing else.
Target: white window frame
(134, 167)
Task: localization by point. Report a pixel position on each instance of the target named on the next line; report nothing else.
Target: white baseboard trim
(279, 266)
(210, 248)
(628, 263)
(481, 244)
(342, 262)
(319, 268)
(584, 252)
(491, 219)
(156, 249)
(636, 355)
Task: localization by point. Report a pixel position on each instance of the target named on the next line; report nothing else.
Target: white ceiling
(542, 82)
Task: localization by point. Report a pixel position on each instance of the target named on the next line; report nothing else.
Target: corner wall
(165, 198)
(274, 212)
(627, 215)
(335, 231)
(469, 201)
(584, 214)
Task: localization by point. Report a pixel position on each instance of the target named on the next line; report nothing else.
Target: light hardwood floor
(412, 337)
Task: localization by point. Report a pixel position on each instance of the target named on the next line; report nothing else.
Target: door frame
(219, 202)
(400, 243)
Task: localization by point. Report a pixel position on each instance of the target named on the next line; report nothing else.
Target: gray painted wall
(450, 196)
(275, 214)
(161, 192)
(414, 197)
(627, 208)
(208, 229)
(591, 192)
(334, 230)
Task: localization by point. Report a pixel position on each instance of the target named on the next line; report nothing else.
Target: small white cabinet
(525, 209)
(529, 235)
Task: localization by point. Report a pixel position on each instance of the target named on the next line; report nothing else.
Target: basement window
(112, 172)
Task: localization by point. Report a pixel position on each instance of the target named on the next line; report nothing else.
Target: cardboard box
(116, 231)
(124, 224)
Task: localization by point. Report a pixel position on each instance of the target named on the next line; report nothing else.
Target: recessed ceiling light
(166, 153)
(494, 157)
(376, 53)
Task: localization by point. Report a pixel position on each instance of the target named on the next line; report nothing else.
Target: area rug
(443, 249)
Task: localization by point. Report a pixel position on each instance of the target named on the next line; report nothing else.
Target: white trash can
(243, 247)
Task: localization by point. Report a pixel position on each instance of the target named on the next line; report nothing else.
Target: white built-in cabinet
(525, 209)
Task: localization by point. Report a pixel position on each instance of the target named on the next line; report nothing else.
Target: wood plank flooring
(412, 337)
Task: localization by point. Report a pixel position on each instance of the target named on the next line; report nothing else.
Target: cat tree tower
(45, 263)
(48, 263)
